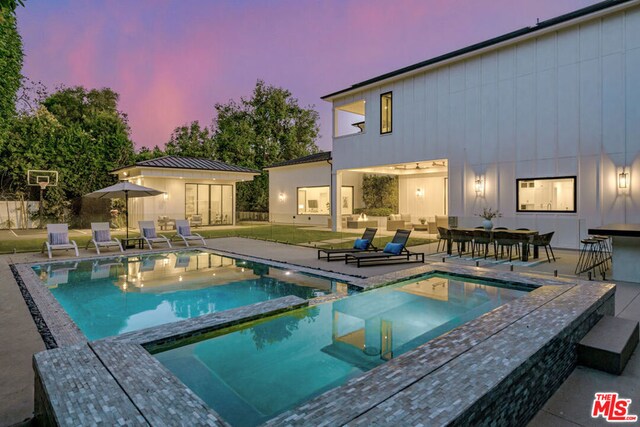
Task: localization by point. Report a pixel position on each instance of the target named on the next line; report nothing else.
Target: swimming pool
(253, 372)
(111, 296)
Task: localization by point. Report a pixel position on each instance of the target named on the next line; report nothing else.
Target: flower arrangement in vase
(488, 214)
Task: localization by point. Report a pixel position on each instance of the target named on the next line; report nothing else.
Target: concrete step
(609, 344)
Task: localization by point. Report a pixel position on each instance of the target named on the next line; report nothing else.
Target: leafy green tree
(11, 57)
(267, 128)
(78, 132)
(191, 141)
(146, 153)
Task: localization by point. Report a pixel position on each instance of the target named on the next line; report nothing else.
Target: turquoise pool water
(111, 296)
(251, 374)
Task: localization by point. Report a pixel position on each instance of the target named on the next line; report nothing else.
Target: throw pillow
(102, 235)
(185, 230)
(149, 233)
(58, 238)
(361, 244)
(393, 248)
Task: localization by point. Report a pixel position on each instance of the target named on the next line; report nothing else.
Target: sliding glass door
(209, 204)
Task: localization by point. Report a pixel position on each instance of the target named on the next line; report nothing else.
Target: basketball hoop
(43, 185)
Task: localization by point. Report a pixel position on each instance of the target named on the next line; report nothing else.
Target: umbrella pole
(126, 209)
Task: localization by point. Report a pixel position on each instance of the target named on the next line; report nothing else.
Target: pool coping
(377, 388)
(56, 327)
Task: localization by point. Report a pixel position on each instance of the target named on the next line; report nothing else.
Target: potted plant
(488, 214)
(422, 220)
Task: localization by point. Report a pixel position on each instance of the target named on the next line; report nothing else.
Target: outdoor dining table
(527, 237)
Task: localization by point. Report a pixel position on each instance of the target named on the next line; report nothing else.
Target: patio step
(609, 344)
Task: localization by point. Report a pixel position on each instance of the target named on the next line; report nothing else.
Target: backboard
(42, 178)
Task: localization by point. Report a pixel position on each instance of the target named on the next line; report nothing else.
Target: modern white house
(199, 190)
(542, 124)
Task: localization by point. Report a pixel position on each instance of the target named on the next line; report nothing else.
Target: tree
(11, 56)
(78, 132)
(191, 141)
(268, 128)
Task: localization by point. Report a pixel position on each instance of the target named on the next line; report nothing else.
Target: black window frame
(390, 93)
(575, 194)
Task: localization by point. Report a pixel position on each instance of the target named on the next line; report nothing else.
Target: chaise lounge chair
(395, 251)
(58, 239)
(101, 237)
(339, 254)
(149, 235)
(184, 232)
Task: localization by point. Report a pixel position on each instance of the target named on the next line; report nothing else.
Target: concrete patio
(570, 405)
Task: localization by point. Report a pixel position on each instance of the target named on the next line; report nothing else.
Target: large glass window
(209, 204)
(546, 194)
(349, 119)
(314, 201)
(386, 113)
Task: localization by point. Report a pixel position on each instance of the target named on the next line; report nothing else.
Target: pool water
(253, 373)
(107, 297)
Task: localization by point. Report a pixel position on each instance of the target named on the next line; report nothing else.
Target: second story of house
(567, 87)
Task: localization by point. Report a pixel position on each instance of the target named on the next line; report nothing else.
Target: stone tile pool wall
(503, 365)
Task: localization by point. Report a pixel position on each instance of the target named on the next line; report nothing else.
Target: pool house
(199, 190)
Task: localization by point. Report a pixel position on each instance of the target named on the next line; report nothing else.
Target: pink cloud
(172, 61)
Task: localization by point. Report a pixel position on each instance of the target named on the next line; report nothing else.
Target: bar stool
(590, 256)
(605, 244)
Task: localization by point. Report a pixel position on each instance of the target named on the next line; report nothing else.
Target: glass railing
(296, 230)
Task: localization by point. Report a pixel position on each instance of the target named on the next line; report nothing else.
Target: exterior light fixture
(282, 197)
(419, 192)
(479, 186)
(623, 179)
(124, 174)
(165, 196)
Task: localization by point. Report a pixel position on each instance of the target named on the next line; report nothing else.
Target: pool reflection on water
(264, 368)
(107, 297)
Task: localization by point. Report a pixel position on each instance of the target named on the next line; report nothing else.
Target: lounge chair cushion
(149, 233)
(184, 230)
(59, 238)
(393, 248)
(102, 235)
(362, 244)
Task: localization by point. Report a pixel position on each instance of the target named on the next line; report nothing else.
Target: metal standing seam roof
(322, 156)
(176, 162)
(487, 43)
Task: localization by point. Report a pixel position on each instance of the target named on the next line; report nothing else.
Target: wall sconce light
(165, 196)
(419, 192)
(623, 179)
(282, 197)
(479, 186)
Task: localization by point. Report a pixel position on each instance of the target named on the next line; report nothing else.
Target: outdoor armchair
(58, 239)
(149, 234)
(101, 237)
(183, 231)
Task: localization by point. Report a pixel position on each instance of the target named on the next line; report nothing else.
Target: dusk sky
(171, 61)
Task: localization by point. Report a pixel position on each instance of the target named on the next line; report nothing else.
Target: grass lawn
(297, 235)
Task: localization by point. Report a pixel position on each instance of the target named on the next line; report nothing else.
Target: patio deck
(570, 405)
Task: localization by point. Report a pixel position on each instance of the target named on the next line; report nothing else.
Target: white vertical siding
(565, 103)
